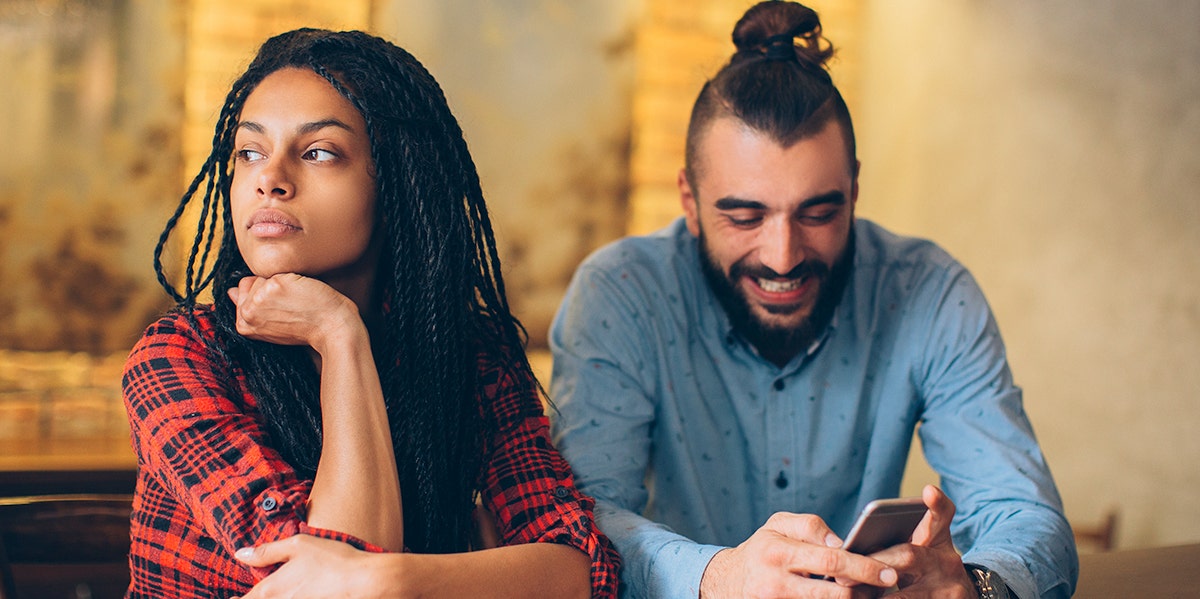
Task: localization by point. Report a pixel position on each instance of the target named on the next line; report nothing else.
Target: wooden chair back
(1099, 537)
(64, 546)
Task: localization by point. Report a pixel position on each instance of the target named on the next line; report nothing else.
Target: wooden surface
(65, 546)
(57, 466)
(1160, 572)
(100, 453)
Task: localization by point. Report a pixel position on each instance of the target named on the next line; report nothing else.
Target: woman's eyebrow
(306, 128)
(321, 124)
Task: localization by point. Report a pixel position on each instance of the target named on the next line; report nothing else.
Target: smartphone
(883, 523)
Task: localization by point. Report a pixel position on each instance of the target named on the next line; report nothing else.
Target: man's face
(774, 225)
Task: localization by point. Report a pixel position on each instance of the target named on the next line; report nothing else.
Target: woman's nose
(274, 180)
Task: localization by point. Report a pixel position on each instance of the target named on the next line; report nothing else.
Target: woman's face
(303, 193)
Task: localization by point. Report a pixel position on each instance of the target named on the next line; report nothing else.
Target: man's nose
(781, 248)
(274, 180)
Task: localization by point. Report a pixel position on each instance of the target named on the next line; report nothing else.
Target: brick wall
(222, 37)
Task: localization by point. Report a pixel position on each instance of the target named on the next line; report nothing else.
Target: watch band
(988, 584)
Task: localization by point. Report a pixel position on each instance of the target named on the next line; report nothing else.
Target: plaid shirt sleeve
(529, 487)
(209, 483)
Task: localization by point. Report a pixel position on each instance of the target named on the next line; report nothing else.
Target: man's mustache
(808, 268)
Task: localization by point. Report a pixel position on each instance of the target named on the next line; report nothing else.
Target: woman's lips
(270, 222)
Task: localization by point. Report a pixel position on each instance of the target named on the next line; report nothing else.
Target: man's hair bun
(781, 31)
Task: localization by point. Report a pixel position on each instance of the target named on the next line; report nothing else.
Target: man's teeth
(773, 286)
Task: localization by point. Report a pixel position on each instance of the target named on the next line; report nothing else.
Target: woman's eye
(249, 155)
(319, 155)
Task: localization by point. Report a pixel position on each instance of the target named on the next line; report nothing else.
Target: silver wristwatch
(988, 584)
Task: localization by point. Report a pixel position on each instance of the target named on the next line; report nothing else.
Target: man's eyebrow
(304, 129)
(732, 203)
(832, 197)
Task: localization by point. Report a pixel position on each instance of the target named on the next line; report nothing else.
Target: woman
(358, 381)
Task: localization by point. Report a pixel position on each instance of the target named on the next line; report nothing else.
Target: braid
(439, 282)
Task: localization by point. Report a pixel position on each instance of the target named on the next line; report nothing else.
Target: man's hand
(779, 559)
(930, 566)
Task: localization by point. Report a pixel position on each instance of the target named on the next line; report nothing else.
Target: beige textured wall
(90, 108)
(1054, 148)
(542, 91)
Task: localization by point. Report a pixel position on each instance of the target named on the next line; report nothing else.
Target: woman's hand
(314, 568)
(290, 309)
(356, 489)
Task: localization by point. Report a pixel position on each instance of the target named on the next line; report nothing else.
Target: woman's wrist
(341, 332)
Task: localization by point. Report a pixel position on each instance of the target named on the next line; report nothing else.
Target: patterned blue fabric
(689, 440)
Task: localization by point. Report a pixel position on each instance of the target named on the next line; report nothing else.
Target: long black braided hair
(439, 286)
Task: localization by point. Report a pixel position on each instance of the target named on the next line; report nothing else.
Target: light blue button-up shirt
(689, 440)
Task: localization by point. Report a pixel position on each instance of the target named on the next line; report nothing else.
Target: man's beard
(773, 340)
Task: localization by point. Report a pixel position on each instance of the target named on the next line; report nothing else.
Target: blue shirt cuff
(677, 568)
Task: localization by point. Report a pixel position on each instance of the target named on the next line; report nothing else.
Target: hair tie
(780, 47)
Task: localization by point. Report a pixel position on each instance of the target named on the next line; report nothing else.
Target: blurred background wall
(1053, 147)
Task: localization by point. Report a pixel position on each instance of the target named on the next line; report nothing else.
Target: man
(735, 388)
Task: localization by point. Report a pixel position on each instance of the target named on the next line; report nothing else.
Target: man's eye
(745, 221)
(249, 155)
(319, 155)
(819, 218)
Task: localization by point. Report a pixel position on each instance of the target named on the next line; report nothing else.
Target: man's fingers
(935, 526)
(848, 568)
(806, 545)
(803, 527)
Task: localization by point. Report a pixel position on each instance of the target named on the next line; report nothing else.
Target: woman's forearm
(518, 571)
(356, 489)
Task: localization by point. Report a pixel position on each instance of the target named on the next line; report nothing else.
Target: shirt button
(781, 481)
(561, 492)
(779, 384)
(269, 504)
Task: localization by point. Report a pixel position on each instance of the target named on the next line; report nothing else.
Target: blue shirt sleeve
(602, 387)
(976, 435)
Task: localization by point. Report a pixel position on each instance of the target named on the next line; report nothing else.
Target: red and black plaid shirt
(209, 482)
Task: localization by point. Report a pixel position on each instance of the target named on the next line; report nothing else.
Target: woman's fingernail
(244, 553)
